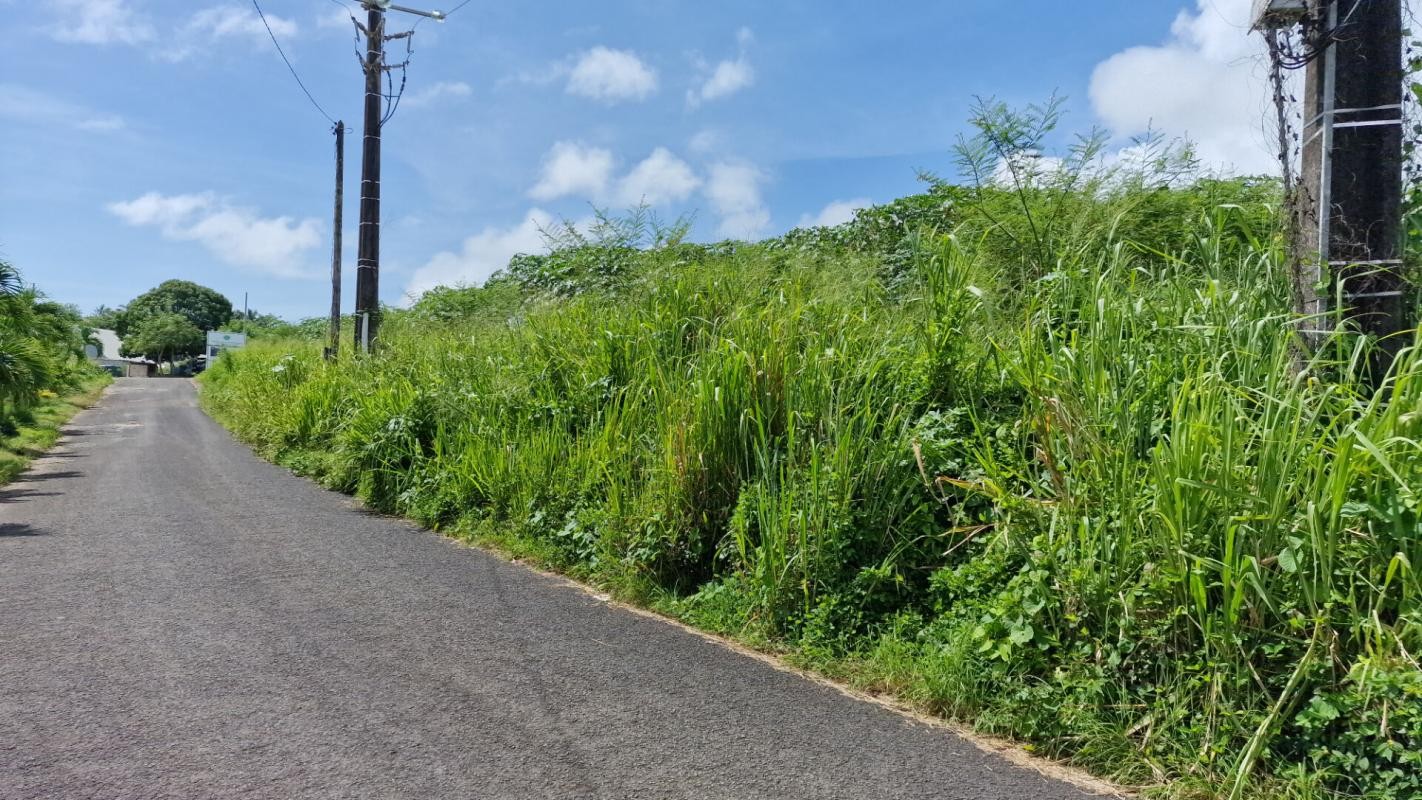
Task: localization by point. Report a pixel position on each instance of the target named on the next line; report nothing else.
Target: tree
(105, 317)
(165, 336)
(41, 343)
(204, 308)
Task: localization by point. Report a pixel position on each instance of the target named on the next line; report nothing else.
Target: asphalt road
(181, 619)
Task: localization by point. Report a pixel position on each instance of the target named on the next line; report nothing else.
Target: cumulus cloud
(573, 168)
(442, 90)
(235, 235)
(118, 22)
(836, 213)
(734, 191)
(612, 76)
(482, 255)
(210, 26)
(659, 179)
(727, 77)
(99, 22)
(25, 105)
(1207, 82)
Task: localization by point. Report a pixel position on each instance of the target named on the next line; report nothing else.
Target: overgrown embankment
(34, 429)
(1066, 481)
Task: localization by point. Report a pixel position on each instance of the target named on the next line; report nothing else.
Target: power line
(456, 8)
(282, 53)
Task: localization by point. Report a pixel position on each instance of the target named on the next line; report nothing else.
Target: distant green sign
(217, 341)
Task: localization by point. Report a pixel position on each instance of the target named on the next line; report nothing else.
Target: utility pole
(367, 300)
(335, 338)
(1350, 215)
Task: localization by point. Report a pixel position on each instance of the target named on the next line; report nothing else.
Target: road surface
(179, 619)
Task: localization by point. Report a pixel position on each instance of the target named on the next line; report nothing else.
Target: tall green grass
(1102, 506)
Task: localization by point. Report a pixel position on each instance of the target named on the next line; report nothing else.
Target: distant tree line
(170, 321)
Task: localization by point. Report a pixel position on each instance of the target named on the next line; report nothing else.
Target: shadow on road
(11, 495)
(15, 529)
(34, 477)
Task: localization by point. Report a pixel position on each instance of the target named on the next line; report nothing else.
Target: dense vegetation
(41, 350)
(44, 377)
(1041, 453)
(169, 322)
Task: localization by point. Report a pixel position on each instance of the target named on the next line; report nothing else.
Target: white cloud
(734, 191)
(727, 77)
(220, 22)
(443, 90)
(1028, 168)
(117, 22)
(482, 254)
(235, 235)
(157, 209)
(100, 22)
(1208, 82)
(611, 76)
(23, 104)
(660, 179)
(572, 168)
(210, 26)
(706, 141)
(836, 213)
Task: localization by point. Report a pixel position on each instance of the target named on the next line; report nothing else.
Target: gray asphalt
(181, 619)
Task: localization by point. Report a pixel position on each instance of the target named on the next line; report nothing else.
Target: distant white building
(106, 356)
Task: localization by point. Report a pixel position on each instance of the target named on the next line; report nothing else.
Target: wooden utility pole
(367, 299)
(1351, 174)
(334, 348)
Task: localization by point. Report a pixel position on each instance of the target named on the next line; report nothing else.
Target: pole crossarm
(386, 5)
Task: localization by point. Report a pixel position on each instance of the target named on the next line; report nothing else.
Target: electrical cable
(392, 98)
(1324, 40)
(282, 53)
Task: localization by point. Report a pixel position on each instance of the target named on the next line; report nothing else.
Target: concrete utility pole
(334, 348)
(1351, 172)
(367, 300)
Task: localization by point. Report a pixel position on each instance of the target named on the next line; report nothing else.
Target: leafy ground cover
(1042, 454)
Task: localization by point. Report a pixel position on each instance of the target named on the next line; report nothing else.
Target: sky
(154, 139)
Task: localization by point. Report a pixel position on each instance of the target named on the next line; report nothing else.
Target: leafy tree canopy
(206, 309)
(104, 317)
(164, 336)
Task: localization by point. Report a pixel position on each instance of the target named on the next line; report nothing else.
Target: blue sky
(155, 139)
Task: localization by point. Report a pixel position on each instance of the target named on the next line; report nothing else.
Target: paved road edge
(1012, 752)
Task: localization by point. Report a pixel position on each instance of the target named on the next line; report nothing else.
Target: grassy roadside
(1088, 502)
(888, 685)
(33, 438)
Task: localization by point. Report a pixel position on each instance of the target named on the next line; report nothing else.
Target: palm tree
(10, 284)
(41, 343)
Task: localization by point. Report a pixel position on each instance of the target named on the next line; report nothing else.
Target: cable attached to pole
(292, 69)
